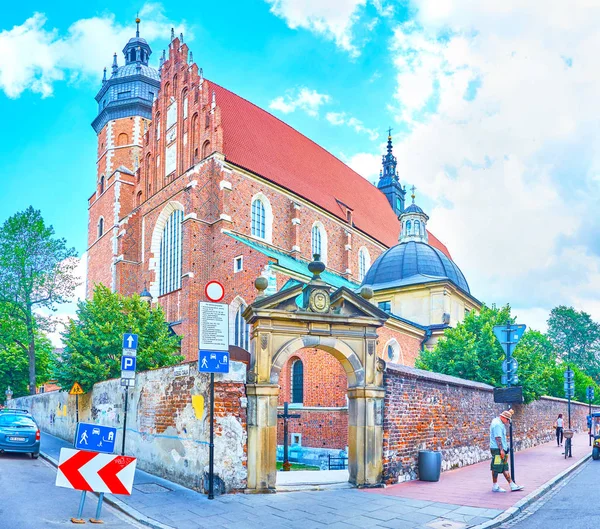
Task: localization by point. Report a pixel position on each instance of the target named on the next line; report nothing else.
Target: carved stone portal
(344, 325)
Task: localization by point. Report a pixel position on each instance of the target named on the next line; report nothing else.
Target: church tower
(388, 179)
(124, 112)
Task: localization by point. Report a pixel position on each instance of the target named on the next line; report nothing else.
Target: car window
(17, 421)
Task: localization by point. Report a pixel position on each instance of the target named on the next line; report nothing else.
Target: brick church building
(195, 183)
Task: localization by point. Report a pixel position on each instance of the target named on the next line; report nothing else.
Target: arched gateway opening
(340, 323)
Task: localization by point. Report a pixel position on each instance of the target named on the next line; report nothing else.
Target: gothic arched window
(102, 184)
(318, 243)
(364, 263)
(241, 330)
(316, 240)
(100, 227)
(297, 382)
(258, 218)
(261, 224)
(169, 265)
(205, 149)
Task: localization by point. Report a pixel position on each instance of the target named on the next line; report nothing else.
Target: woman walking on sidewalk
(558, 425)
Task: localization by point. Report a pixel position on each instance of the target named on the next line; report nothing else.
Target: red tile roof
(265, 145)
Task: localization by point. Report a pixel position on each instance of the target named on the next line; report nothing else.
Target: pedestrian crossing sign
(76, 389)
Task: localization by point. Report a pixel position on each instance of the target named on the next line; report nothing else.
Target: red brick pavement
(471, 485)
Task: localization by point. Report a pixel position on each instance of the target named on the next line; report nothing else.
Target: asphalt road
(576, 503)
(30, 500)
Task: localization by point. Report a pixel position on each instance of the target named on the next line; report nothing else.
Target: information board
(213, 326)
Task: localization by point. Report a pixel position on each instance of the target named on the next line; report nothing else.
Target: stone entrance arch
(340, 323)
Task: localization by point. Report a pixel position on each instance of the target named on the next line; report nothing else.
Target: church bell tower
(124, 111)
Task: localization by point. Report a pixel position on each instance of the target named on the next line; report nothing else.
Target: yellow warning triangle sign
(76, 389)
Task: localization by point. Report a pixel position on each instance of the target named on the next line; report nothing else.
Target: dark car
(19, 433)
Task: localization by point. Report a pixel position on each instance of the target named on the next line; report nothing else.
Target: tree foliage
(36, 272)
(470, 350)
(14, 366)
(93, 341)
(576, 338)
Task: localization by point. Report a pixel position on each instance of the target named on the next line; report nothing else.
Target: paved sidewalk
(162, 504)
(471, 485)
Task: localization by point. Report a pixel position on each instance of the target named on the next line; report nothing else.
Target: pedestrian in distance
(499, 448)
(558, 426)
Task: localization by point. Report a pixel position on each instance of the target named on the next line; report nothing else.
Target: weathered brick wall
(429, 411)
(167, 422)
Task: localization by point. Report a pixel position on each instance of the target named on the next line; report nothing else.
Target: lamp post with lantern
(9, 394)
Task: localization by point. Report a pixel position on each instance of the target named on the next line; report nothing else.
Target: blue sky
(495, 110)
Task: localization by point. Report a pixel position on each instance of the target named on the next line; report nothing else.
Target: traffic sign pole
(213, 356)
(509, 380)
(509, 335)
(590, 397)
(124, 421)
(211, 446)
(128, 367)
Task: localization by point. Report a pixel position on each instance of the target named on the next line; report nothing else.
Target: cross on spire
(390, 132)
(137, 23)
(413, 189)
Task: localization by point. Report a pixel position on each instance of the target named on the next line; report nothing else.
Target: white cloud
(303, 98)
(501, 107)
(336, 118)
(333, 18)
(340, 118)
(365, 164)
(34, 56)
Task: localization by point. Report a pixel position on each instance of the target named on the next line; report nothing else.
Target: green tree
(470, 350)
(576, 337)
(14, 366)
(93, 341)
(36, 274)
(582, 381)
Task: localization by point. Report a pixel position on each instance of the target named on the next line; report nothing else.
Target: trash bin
(430, 465)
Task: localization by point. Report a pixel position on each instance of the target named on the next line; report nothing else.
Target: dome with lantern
(413, 260)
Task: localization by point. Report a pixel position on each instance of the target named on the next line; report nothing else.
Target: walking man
(499, 449)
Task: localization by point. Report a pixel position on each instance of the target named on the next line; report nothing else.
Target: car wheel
(596, 453)
(35, 455)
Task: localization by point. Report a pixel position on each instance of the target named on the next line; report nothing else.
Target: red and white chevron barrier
(95, 472)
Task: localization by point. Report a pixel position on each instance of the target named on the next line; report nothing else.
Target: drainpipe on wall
(425, 338)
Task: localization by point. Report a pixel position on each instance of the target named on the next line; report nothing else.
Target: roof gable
(257, 141)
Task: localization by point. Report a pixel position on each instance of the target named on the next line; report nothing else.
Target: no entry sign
(94, 472)
(214, 291)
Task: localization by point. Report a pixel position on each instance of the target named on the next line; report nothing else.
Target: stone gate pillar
(262, 436)
(365, 435)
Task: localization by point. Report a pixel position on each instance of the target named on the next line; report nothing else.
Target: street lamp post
(9, 394)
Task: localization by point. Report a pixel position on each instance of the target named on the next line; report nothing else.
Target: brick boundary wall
(167, 422)
(431, 411)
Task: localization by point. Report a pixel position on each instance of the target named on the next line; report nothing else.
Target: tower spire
(137, 23)
(388, 178)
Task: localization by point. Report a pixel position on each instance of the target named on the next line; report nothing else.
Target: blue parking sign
(95, 437)
(130, 341)
(128, 363)
(213, 361)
